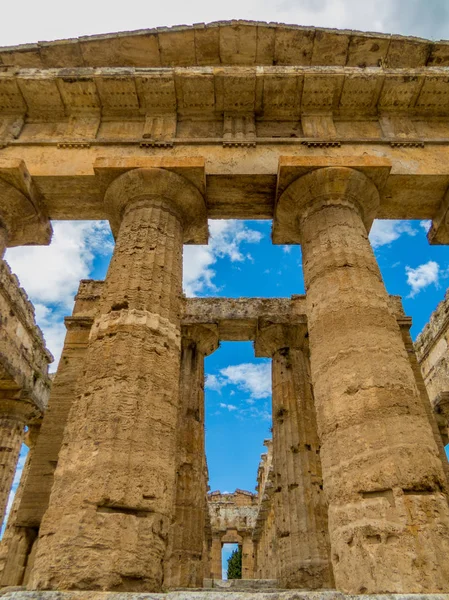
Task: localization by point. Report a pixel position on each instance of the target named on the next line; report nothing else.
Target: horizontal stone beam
(270, 91)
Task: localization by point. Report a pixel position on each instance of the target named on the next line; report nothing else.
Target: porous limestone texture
(113, 498)
(16, 543)
(264, 533)
(184, 564)
(18, 546)
(382, 472)
(24, 360)
(432, 350)
(303, 550)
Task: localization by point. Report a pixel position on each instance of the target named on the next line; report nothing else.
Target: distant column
(14, 415)
(216, 558)
(299, 506)
(16, 542)
(184, 565)
(247, 558)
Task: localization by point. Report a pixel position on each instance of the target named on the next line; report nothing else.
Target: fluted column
(14, 414)
(383, 476)
(184, 564)
(216, 566)
(299, 506)
(112, 501)
(16, 542)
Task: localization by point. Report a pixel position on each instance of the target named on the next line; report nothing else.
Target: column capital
(179, 182)
(204, 336)
(17, 408)
(438, 234)
(305, 183)
(22, 214)
(272, 336)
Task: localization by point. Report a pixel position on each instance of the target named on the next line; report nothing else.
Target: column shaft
(16, 541)
(36, 488)
(184, 565)
(113, 494)
(388, 516)
(247, 558)
(300, 508)
(13, 418)
(216, 558)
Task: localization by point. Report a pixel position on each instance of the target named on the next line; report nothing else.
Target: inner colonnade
(317, 130)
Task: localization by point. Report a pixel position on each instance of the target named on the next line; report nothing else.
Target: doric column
(216, 567)
(184, 564)
(14, 415)
(383, 476)
(404, 324)
(35, 492)
(299, 506)
(17, 541)
(113, 495)
(441, 411)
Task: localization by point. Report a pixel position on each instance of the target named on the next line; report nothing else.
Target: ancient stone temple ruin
(320, 131)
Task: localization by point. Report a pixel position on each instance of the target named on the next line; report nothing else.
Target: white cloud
(251, 378)
(45, 20)
(426, 225)
(385, 232)
(51, 274)
(226, 241)
(423, 276)
(230, 407)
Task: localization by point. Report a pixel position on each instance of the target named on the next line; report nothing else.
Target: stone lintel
(22, 210)
(192, 169)
(292, 168)
(274, 334)
(205, 336)
(236, 319)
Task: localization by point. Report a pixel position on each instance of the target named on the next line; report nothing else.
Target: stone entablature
(236, 511)
(24, 358)
(432, 350)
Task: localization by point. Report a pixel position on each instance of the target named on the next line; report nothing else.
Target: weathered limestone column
(299, 506)
(405, 324)
(14, 414)
(216, 567)
(13, 543)
(247, 557)
(35, 492)
(184, 564)
(112, 501)
(383, 477)
(441, 411)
